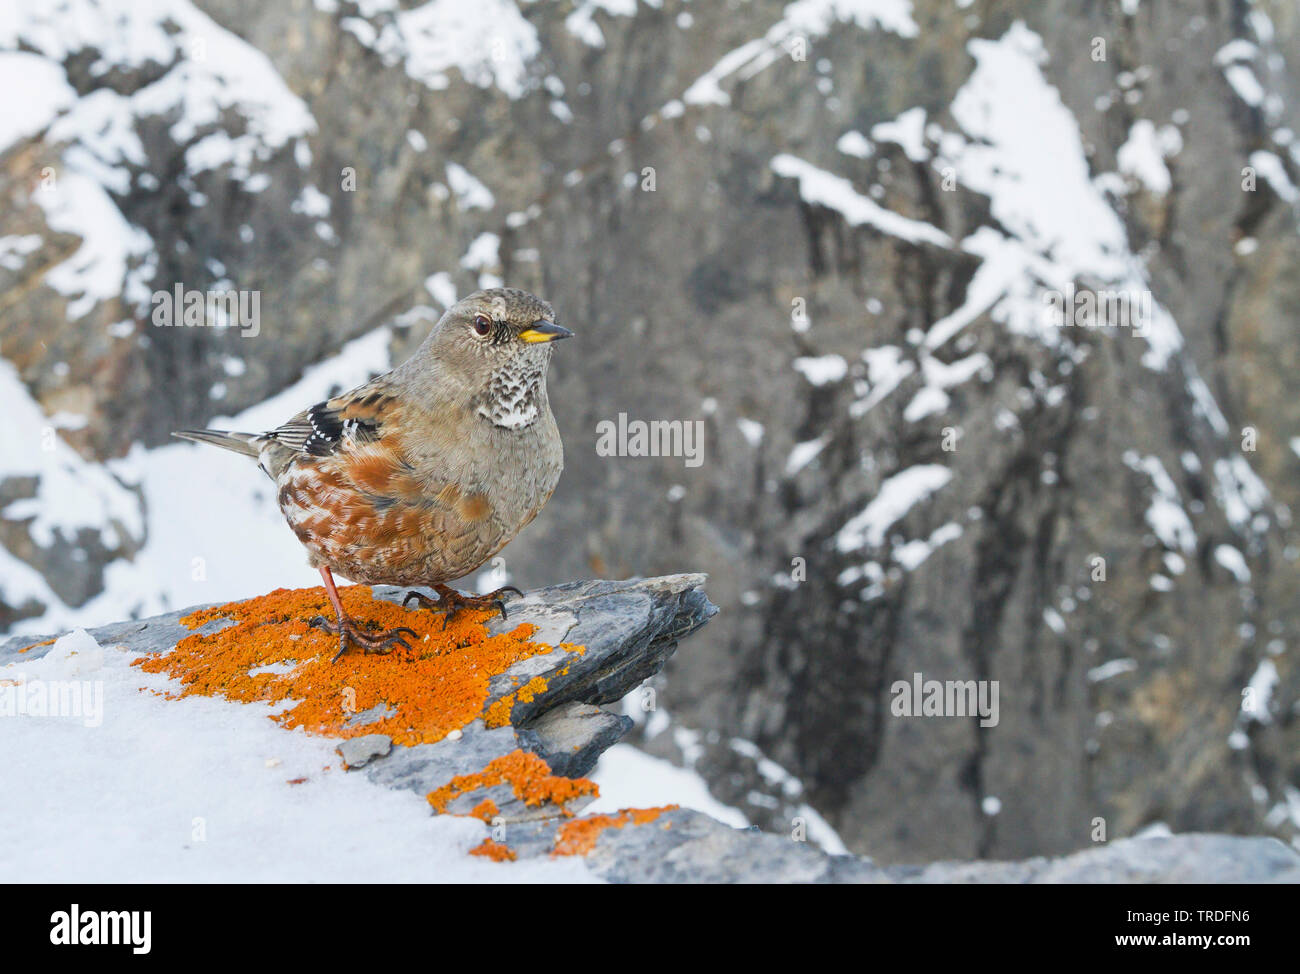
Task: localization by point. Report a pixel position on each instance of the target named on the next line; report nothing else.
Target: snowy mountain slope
(844, 270)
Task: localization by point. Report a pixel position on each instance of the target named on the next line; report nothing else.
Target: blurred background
(829, 232)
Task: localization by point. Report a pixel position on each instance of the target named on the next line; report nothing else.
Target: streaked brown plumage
(421, 475)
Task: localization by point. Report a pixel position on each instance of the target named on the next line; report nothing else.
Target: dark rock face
(1121, 681)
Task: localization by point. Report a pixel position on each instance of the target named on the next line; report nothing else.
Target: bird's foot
(450, 601)
(367, 642)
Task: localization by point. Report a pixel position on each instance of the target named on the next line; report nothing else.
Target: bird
(421, 475)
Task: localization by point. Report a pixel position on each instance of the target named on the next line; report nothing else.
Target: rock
(618, 634)
(1190, 858)
(357, 752)
(572, 737)
(698, 849)
(627, 630)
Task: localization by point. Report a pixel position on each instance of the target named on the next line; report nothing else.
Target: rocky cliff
(828, 233)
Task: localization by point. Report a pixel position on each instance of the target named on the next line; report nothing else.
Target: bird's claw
(450, 601)
(380, 642)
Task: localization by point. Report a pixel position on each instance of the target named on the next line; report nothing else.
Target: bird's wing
(337, 424)
(350, 484)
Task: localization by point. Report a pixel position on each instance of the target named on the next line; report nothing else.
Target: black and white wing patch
(320, 430)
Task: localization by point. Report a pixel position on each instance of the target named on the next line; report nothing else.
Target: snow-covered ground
(629, 778)
(131, 787)
(198, 790)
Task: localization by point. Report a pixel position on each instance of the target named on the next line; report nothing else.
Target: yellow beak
(544, 331)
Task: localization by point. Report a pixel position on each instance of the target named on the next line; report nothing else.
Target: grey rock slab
(357, 752)
(684, 846)
(572, 737)
(697, 849)
(1191, 858)
(156, 634)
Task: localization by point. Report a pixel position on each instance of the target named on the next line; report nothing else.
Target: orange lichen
(498, 715)
(28, 649)
(494, 850)
(438, 686)
(527, 774)
(486, 810)
(578, 837)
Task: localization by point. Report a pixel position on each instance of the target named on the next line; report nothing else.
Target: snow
(488, 41)
(15, 249)
(806, 19)
(483, 253)
(803, 454)
(912, 554)
(1111, 669)
(72, 493)
(1143, 155)
(1238, 49)
(822, 369)
(311, 202)
(926, 402)
(46, 93)
(214, 71)
(1022, 149)
(751, 430)
(110, 246)
(1203, 402)
(886, 368)
(213, 776)
(629, 778)
(217, 71)
(1262, 684)
(581, 23)
(707, 90)
(441, 288)
(837, 193)
(818, 17)
(1245, 84)
(1232, 559)
(470, 193)
(940, 376)
(220, 538)
(1166, 516)
(1270, 167)
(907, 131)
(854, 143)
(897, 495)
(819, 830)
(1238, 490)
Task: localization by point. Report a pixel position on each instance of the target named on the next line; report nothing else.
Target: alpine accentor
(421, 475)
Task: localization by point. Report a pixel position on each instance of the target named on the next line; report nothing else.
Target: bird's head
(495, 346)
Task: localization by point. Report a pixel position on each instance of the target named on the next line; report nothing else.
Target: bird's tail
(245, 443)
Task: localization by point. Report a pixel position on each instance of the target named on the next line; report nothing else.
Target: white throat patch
(511, 400)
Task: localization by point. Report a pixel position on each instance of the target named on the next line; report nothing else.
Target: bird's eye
(482, 324)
